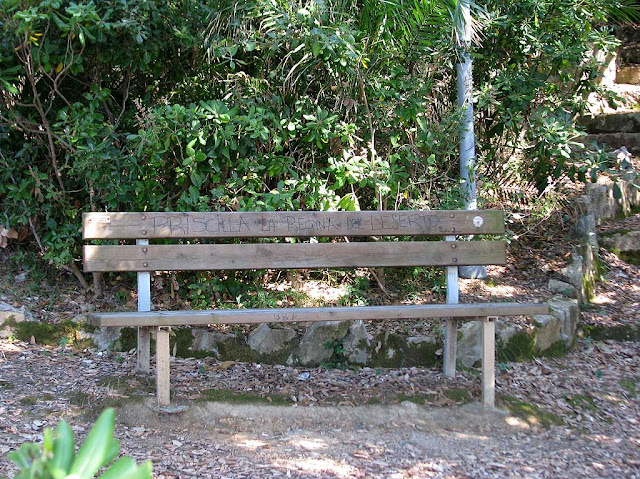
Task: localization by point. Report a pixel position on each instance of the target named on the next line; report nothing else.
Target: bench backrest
(266, 255)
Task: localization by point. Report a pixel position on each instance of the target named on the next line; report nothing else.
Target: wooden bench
(386, 251)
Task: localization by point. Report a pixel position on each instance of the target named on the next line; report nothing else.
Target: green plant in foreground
(56, 457)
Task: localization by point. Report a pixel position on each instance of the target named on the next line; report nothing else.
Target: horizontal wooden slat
(296, 223)
(290, 315)
(286, 255)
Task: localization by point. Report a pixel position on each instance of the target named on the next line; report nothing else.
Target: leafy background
(137, 105)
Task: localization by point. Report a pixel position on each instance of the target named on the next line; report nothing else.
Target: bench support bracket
(163, 384)
(489, 361)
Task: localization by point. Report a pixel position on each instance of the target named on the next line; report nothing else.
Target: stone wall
(597, 203)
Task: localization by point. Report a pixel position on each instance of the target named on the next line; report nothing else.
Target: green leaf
(63, 448)
(617, 192)
(194, 194)
(24, 456)
(94, 452)
(126, 468)
(189, 149)
(197, 179)
(9, 86)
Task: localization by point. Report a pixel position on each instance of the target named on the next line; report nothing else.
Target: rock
(357, 344)
(628, 122)
(87, 307)
(625, 244)
(469, 350)
(602, 202)
(585, 227)
(421, 348)
(568, 312)
(266, 340)
(103, 338)
(629, 75)
(9, 313)
(549, 332)
(417, 341)
(472, 272)
(563, 288)
(622, 241)
(208, 340)
(8, 316)
(314, 346)
(22, 277)
(505, 330)
(574, 271)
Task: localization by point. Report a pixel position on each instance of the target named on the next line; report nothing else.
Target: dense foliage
(271, 104)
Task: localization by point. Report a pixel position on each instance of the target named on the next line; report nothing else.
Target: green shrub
(56, 457)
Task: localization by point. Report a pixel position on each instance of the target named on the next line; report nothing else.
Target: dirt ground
(568, 417)
(575, 416)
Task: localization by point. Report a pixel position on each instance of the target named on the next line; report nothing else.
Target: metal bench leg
(489, 361)
(451, 324)
(450, 347)
(163, 384)
(143, 363)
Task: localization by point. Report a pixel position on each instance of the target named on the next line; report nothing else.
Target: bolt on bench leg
(163, 385)
(489, 361)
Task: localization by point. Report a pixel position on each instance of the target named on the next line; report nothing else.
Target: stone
(574, 271)
(417, 341)
(629, 75)
(472, 272)
(563, 288)
(10, 314)
(420, 348)
(208, 340)
(549, 332)
(267, 340)
(628, 122)
(586, 224)
(314, 346)
(469, 348)
(505, 330)
(601, 200)
(22, 277)
(357, 344)
(627, 243)
(568, 312)
(103, 338)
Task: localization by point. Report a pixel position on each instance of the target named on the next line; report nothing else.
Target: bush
(142, 105)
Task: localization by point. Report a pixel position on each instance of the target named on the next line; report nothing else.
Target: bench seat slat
(286, 255)
(151, 225)
(290, 315)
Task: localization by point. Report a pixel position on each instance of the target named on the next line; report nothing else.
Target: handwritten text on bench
(296, 225)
